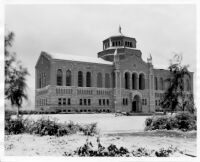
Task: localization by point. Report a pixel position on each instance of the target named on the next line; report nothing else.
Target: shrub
(141, 151)
(47, 126)
(87, 150)
(14, 126)
(183, 121)
(89, 129)
(113, 151)
(165, 152)
(148, 121)
(8, 114)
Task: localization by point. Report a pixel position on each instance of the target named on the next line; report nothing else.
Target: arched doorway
(136, 103)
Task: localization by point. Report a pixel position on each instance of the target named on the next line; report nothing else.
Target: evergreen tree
(15, 76)
(175, 98)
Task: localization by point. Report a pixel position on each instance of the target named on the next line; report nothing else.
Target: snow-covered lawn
(127, 131)
(105, 122)
(32, 145)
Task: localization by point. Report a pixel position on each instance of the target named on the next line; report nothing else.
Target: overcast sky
(80, 29)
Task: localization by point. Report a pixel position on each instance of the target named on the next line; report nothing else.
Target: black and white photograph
(100, 80)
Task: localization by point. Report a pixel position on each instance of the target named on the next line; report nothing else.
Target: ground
(124, 131)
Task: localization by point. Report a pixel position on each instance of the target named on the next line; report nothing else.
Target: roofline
(119, 36)
(82, 61)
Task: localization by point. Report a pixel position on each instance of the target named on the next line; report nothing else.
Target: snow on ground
(127, 131)
(105, 122)
(32, 145)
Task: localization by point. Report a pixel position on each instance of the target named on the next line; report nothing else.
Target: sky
(160, 30)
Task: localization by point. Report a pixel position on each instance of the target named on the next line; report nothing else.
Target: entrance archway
(136, 103)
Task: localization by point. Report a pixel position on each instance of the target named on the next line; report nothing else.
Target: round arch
(141, 81)
(136, 103)
(134, 77)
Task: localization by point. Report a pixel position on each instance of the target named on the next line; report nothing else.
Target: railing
(64, 90)
(82, 90)
(42, 91)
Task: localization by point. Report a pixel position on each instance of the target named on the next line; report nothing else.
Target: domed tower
(124, 45)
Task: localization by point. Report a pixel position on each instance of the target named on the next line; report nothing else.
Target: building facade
(117, 81)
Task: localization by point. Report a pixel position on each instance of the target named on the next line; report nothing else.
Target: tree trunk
(17, 111)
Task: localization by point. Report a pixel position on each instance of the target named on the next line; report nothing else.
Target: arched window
(40, 81)
(127, 80)
(44, 80)
(141, 81)
(161, 84)
(59, 77)
(68, 78)
(155, 83)
(99, 80)
(80, 79)
(107, 80)
(188, 85)
(134, 81)
(88, 79)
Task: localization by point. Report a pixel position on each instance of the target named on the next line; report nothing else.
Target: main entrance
(136, 104)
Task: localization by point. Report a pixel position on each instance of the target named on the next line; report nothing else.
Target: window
(127, 80)
(89, 101)
(104, 102)
(99, 80)
(188, 85)
(99, 101)
(125, 101)
(107, 80)
(156, 83)
(59, 101)
(59, 77)
(40, 82)
(68, 78)
(69, 101)
(134, 81)
(161, 84)
(85, 102)
(80, 102)
(64, 101)
(141, 81)
(88, 79)
(80, 79)
(107, 101)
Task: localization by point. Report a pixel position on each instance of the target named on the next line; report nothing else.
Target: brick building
(117, 81)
